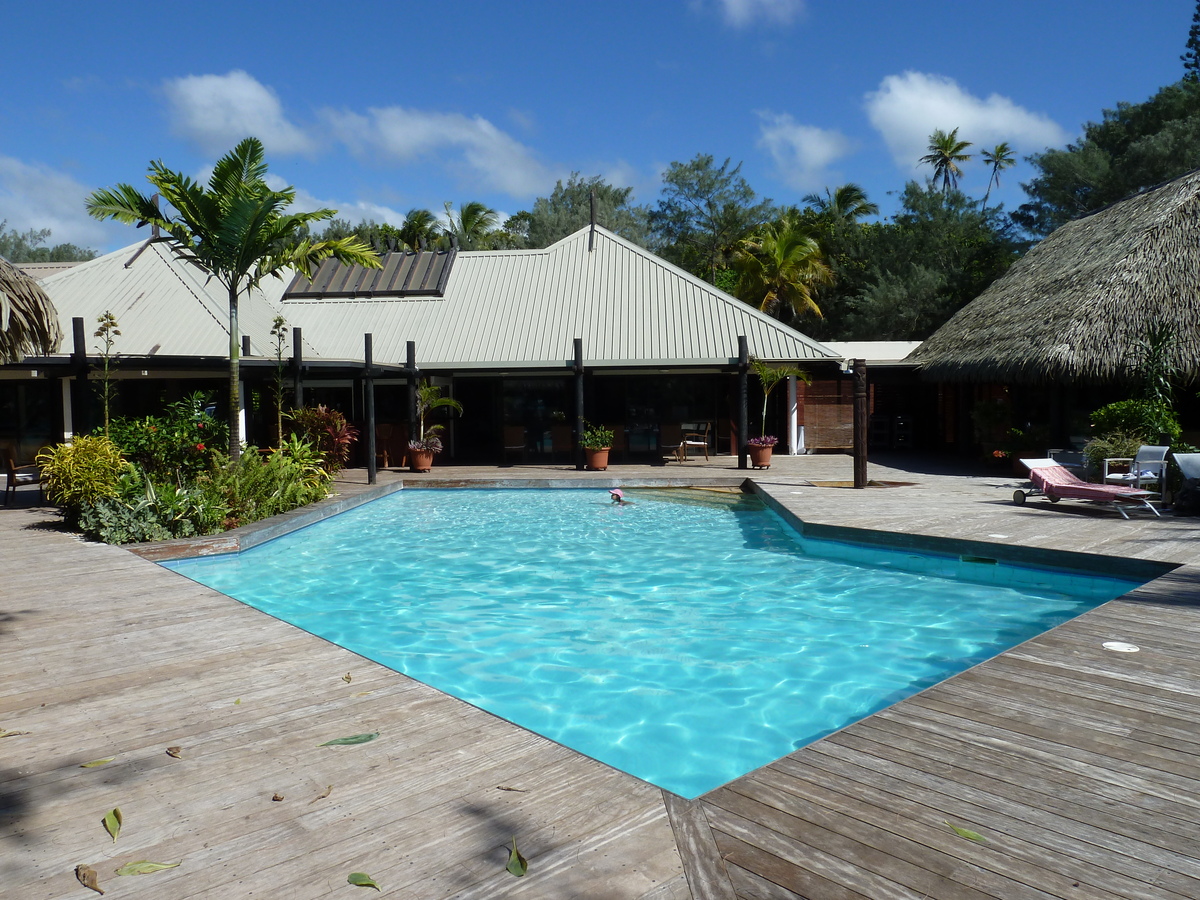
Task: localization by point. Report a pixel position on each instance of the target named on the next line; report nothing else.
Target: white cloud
(479, 152)
(353, 212)
(217, 111)
(741, 13)
(907, 108)
(802, 153)
(37, 196)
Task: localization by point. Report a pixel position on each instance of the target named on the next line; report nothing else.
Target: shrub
(328, 431)
(174, 447)
(144, 511)
(81, 473)
(256, 487)
(1144, 419)
(1114, 445)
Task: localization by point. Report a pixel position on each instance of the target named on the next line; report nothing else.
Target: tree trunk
(235, 348)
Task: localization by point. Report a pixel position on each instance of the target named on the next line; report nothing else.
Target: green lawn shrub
(82, 473)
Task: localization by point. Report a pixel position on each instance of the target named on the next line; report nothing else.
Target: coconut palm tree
(28, 320)
(945, 153)
(779, 267)
(473, 225)
(236, 230)
(845, 205)
(1000, 157)
(419, 225)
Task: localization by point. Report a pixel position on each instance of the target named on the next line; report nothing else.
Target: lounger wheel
(1019, 498)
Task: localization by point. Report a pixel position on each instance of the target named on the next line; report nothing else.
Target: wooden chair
(560, 442)
(18, 475)
(514, 442)
(670, 442)
(383, 444)
(697, 437)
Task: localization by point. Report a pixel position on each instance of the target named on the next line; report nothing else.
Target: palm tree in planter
(761, 447)
(237, 230)
(429, 437)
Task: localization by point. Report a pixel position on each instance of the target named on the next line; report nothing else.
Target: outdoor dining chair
(15, 476)
(1146, 468)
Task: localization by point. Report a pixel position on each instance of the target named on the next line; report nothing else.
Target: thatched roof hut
(28, 320)
(1079, 305)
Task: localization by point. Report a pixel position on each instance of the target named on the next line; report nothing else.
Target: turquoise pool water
(685, 641)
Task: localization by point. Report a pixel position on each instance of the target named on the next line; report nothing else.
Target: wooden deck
(1075, 764)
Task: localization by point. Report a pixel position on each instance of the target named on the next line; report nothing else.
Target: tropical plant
(429, 398)
(779, 268)
(420, 228)
(845, 205)
(1000, 157)
(28, 320)
(279, 341)
(595, 437)
(174, 447)
(1113, 445)
(81, 472)
(236, 230)
(473, 225)
(769, 377)
(945, 153)
(1144, 419)
(108, 332)
(763, 440)
(328, 431)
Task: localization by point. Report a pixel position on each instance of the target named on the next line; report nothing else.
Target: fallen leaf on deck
(4, 734)
(86, 876)
(362, 879)
(969, 835)
(176, 752)
(145, 867)
(346, 678)
(517, 864)
(112, 822)
(363, 693)
(97, 762)
(237, 702)
(321, 796)
(352, 739)
(277, 797)
(504, 787)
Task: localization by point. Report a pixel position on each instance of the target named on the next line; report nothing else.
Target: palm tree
(419, 225)
(28, 320)
(236, 230)
(945, 153)
(473, 225)
(999, 158)
(779, 267)
(845, 205)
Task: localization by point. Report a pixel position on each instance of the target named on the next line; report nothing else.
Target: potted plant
(429, 437)
(597, 441)
(760, 448)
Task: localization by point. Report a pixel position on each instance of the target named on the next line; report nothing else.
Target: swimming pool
(685, 641)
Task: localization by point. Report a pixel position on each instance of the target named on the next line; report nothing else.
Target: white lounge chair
(1147, 467)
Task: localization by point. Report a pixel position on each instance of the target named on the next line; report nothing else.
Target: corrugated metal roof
(163, 306)
(522, 308)
(500, 310)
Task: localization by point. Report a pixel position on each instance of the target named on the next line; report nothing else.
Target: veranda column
(860, 423)
(577, 436)
(369, 403)
(743, 411)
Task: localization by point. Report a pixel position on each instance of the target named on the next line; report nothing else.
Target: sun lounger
(1056, 483)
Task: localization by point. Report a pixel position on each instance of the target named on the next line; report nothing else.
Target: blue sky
(374, 108)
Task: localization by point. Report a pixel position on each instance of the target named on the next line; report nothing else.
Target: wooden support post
(297, 366)
(861, 419)
(577, 436)
(410, 371)
(369, 403)
(79, 385)
(743, 399)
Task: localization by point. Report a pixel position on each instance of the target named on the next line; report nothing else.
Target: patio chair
(670, 442)
(514, 442)
(696, 437)
(1187, 498)
(1147, 467)
(1057, 483)
(15, 476)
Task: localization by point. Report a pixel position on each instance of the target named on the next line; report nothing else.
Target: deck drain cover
(1120, 647)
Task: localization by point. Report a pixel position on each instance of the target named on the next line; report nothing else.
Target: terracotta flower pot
(760, 457)
(420, 460)
(597, 458)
